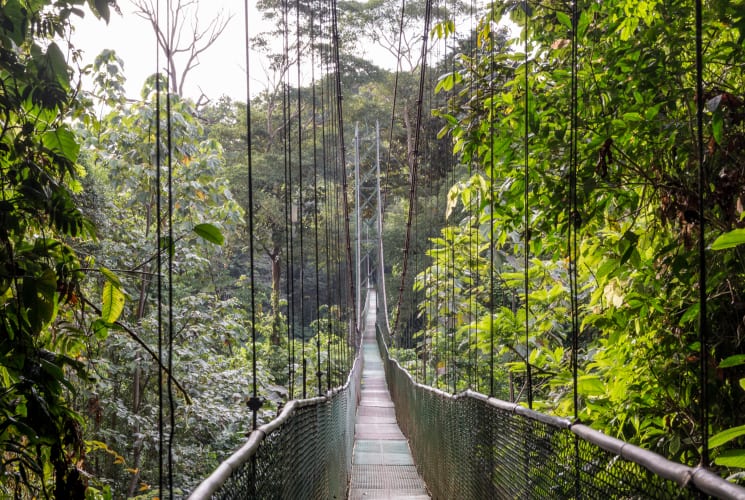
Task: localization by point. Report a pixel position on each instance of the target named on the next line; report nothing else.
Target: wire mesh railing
(471, 446)
(306, 452)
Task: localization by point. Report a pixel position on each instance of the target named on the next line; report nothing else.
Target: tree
(123, 167)
(184, 40)
(636, 176)
(41, 445)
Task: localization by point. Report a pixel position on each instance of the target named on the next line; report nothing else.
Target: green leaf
(113, 278)
(590, 385)
(633, 117)
(57, 63)
(100, 329)
(690, 314)
(736, 360)
(729, 239)
(726, 436)
(16, 17)
(564, 19)
(101, 7)
(731, 458)
(742, 383)
(584, 22)
(112, 302)
(52, 369)
(209, 233)
(62, 142)
(652, 112)
(166, 245)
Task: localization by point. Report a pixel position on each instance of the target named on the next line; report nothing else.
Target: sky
(221, 70)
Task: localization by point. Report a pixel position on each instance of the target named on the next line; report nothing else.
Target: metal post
(381, 261)
(358, 308)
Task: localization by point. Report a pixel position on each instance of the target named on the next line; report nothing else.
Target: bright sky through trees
(221, 69)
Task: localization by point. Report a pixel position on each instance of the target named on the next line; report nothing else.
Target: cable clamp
(255, 403)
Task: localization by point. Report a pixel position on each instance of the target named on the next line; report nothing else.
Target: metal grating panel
(362, 494)
(400, 477)
(375, 411)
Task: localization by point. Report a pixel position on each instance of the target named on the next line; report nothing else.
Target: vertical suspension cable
(319, 373)
(289, 242)
(574, 216)
(703, 325)
(326, 205)
(159, 255)
(300, 197)
(335, 217)
(343, 164)
(574, 226)
(475, 245)
(526, 140)
(255, 402)
(336, 220)
(414, 161)
(395, 99)
(170, 242)
(434, 304)
(454, 235)
(341, 270)
(491, 224)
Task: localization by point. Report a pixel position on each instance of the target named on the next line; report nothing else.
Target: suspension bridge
(355, 443)
(382, 434)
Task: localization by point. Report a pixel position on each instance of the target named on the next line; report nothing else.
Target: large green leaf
(731, 458)
(15, 17)
(57, 64)
(564, 19)
(590, 385)
(62, 142)
(729, 239)
(100, 329)
(112, 302)
(736, 360)
(726, 436)
(210, 233)
(110, 276)
(100, 7)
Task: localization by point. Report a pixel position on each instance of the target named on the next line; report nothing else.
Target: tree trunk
(410, 138)
(274, 256)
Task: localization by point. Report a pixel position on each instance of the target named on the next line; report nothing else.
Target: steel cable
(255, 402)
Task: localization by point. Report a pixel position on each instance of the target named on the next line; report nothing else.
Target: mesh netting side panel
(465, 447)
(605, 474)
(309, 456)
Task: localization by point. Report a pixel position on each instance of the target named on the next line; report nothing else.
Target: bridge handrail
(214, 482)
(699, 478)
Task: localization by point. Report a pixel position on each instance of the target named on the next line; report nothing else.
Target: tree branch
(147, 348)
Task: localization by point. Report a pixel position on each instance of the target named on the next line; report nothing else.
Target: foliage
(131, 205)
(637, 263)
(40, 273)
(210, 334)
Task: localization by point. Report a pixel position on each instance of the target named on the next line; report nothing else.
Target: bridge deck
(382, 466)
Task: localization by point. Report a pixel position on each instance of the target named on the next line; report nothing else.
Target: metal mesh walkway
(382, 466)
